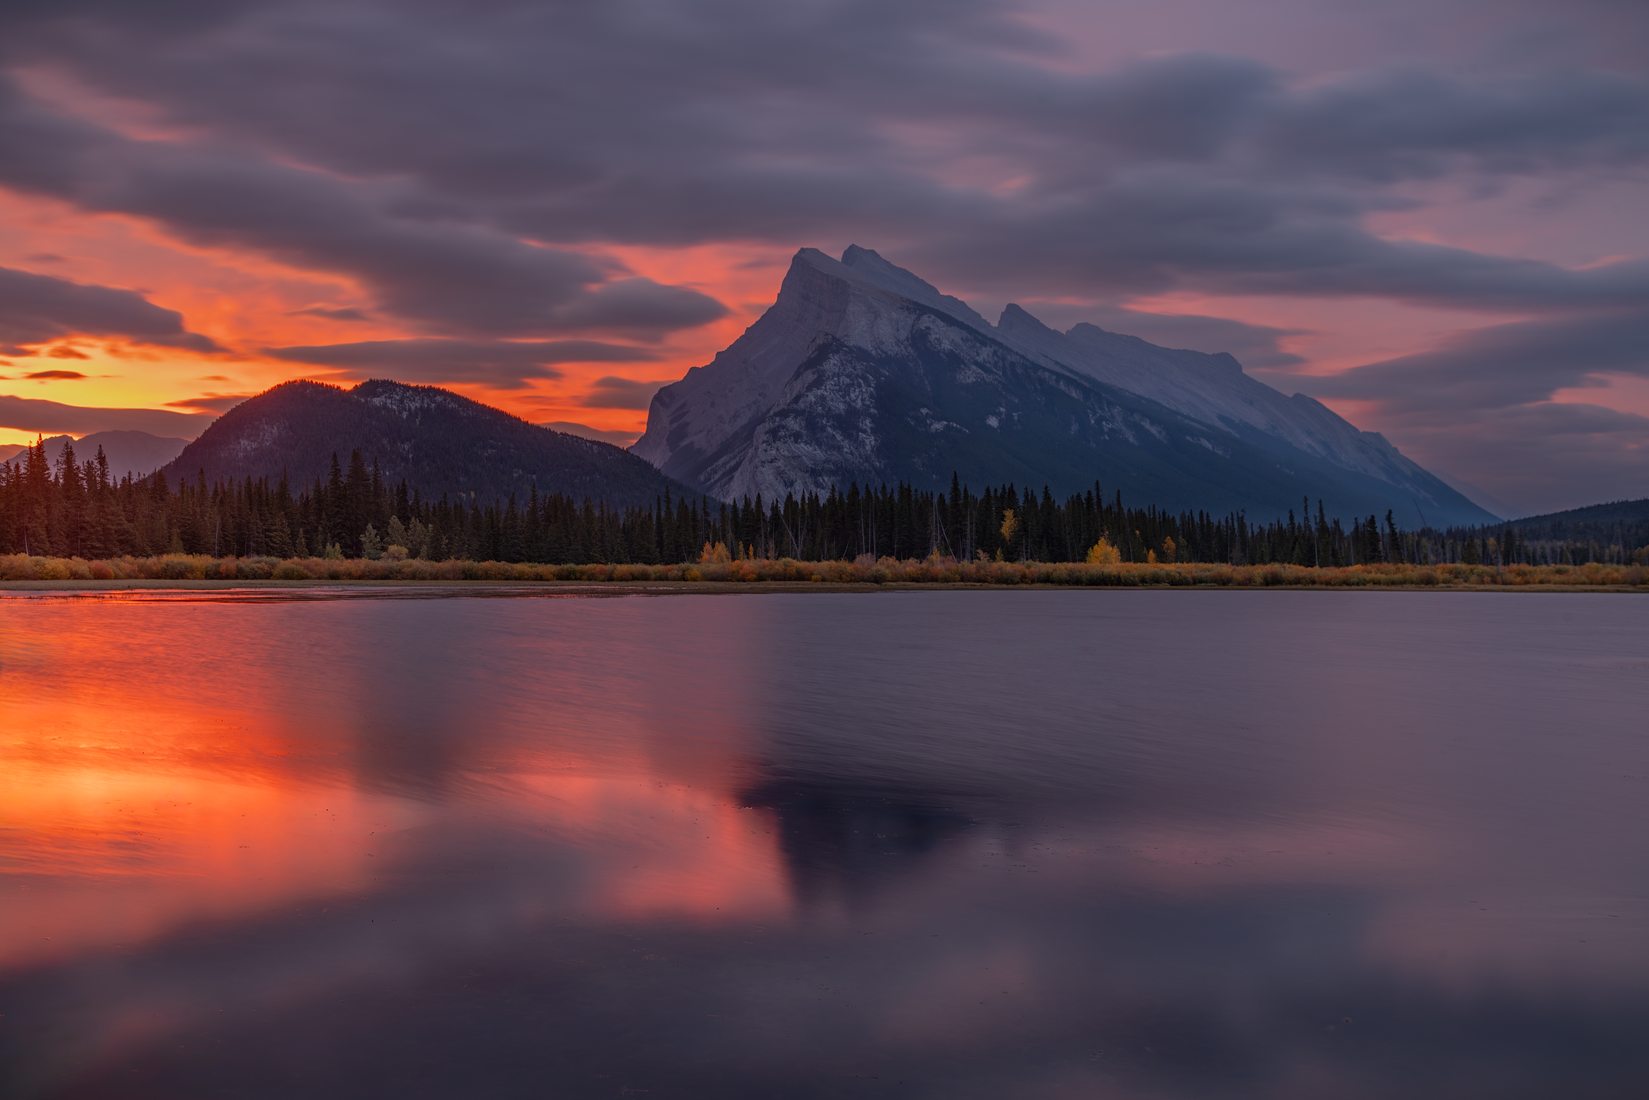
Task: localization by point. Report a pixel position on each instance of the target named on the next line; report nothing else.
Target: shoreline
(716, 574)
(329, 588)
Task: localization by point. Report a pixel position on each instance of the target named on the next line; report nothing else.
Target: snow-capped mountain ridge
(862, 371)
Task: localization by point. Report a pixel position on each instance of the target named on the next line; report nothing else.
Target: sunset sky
(1431, 214)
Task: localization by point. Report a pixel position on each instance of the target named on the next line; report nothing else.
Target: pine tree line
(75, 509)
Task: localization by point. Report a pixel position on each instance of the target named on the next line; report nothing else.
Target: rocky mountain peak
(863, 371)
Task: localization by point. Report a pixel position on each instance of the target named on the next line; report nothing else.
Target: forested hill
(438, 443)
(1618, 523)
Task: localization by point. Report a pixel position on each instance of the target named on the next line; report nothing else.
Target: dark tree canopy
(76, 510)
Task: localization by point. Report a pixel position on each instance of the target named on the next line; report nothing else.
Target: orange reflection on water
(136, 801)
(664, 848)
(117, 836)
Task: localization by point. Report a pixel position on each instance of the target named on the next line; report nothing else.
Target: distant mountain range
(134, 453)
(862, 372)
(439, 443)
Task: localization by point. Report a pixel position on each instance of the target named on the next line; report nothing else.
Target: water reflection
(958, 845)
(842, 841)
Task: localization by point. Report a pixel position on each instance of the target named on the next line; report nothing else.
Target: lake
(1040, 844)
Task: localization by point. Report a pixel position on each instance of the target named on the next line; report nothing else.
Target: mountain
(1618, 523)
(584, 431)
(861, 371)
(135, 453)
(441, 444)
(53, 445)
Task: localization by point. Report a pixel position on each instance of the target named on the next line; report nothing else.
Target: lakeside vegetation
(716, 566)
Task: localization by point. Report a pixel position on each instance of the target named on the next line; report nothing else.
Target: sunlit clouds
(557, 210)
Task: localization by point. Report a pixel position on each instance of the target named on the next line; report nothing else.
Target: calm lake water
(947, 844)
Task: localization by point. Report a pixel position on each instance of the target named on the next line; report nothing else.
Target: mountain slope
(128, 452)
(860, 371)
(1621, 523)
(439, 443)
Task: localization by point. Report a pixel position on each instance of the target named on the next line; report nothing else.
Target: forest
(74, 509)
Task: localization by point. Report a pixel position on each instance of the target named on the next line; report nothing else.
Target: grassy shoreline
(276, 591)
(196, 572)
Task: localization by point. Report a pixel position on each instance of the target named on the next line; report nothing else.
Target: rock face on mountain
(439, 443)
(128, 452)
(861, 371)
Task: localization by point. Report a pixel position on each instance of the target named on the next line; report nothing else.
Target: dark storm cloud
(622, 84)
(50, 417)
(1479, 407)
(636, 122)
(1502, 365)
(493, 362)
(613, 392)
(214, 403)
(1411, 123)
(639, 307)
(1156, 230)
(35, 309)
(438, 270)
